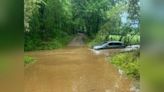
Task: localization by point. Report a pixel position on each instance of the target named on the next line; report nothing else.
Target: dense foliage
(128, 62)
(51, 24)
(121, 20)
(48, 24)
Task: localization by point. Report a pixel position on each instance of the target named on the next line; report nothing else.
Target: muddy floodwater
(73, 69)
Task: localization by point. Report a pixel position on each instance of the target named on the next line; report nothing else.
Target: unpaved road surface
(73, 69)
(78, 40)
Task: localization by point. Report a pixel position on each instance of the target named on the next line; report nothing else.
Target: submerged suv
(110, 45)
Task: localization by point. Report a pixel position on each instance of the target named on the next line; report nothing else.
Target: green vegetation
(50, 24)
(128, 62)
(28, 60)
(38, 44)
(122, 23)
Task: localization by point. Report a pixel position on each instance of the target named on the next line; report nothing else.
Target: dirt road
(77, 41)
(73, 69)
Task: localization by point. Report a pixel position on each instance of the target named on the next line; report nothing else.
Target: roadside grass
(29, 60)
(128, 62)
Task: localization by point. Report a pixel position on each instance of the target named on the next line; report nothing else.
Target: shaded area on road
(78, 40)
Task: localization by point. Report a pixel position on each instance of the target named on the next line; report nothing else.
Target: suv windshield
(102, 43)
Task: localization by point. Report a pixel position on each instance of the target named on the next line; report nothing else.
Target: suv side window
(114, 44)
(118, 44)
(110, 44)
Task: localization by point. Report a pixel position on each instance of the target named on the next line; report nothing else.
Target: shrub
(128, 62)
(28, 60)
(34, 42)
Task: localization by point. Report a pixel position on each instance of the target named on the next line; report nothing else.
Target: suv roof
(114, 42)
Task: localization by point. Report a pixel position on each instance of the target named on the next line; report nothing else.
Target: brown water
(73, 69)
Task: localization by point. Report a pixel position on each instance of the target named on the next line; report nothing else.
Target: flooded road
(73, 69)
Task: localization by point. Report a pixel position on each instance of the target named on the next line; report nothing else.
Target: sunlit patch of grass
(128, 62)
(29, 60)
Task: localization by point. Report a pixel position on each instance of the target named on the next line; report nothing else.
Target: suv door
(114, 45)
(111, 45)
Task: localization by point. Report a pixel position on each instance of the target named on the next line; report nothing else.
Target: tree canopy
(51, 23)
